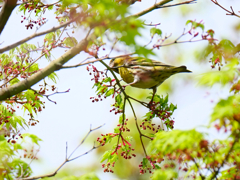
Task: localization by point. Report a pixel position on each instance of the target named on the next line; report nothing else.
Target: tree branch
(161, 5)
(232, 13)
(216, 172)
(36, 35)
(6, 11)
(155, 6)
(67, 158)
(55, 65)
(181, 3)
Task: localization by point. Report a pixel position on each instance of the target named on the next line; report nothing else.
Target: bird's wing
(139, 61)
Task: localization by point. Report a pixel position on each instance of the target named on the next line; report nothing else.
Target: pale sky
(70, 119)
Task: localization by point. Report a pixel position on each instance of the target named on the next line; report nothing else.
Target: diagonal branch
(232, 13)
(155, 6)
(216, 172)
(6, 11)
(181, 3)
(55, 65)
(35, 35)
(160, 5)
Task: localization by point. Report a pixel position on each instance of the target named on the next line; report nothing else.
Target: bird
(144, 73)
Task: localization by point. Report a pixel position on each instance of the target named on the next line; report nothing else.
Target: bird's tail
(181, 69)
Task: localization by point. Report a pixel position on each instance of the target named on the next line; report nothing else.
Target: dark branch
(6, 11)
(216, 172)
(55, 65)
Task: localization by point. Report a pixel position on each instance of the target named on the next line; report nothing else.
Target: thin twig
(160, 5)
(67, 159)
(196, 164)
(226, 157)
(28, 67)
(21, 72)
(232, 13)
(47, 96)
(6, 48)
(178, 4)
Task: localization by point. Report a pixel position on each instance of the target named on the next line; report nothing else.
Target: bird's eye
(112, 63)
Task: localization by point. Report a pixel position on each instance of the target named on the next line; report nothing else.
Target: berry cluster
(13, 139)
(116, 109)
(123, 127)
(31, 23)
(14, 69)
(106, 138)
(162, 111)
(216, 62)
(8, 131)
(36, 8)
(102, 82)
(147, 125)
(124, 146)
(108, 167)
(149, 164)
(127, 154)
(97, 75)
(31, 154)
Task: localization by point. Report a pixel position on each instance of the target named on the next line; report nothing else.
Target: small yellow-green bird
(144, 73)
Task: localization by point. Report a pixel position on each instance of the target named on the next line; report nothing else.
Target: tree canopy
(63, 36)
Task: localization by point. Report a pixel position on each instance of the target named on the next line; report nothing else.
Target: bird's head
(116, 63)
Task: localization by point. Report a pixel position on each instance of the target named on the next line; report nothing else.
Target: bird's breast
(143, 78)
(126, 74)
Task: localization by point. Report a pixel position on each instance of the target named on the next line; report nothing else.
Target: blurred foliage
(161, 153)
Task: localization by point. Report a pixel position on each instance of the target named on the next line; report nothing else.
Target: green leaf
(109, 92)
(17, 146)
(164, 174)
(118, 100)
(33, 67)
(33, 138)
(154, 31)
(226, 108)
(53, 76)
(89, 176)
(229, 173)
(70, 42)
(101, 89)
(226, 75)
(120, 119)
(106, 155)
(144, 162)
(172, 107)
(227, 47)
(71, 178)
(109, 157)
(188, 21)
(50, 7)
(50, 37)
(14, 81)
(210, 32)
(58, 32)
(171, 141)
(20, 121)
(106, 80)
(195, 24)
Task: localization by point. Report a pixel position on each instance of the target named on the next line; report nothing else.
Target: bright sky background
(70, 119)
